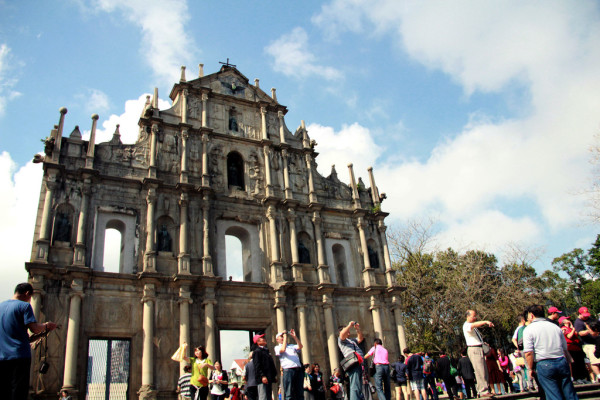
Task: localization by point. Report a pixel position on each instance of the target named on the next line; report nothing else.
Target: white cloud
(540, 157)
(20, 188)
(7, 82)
(293, 58)
(165, 44)
(128, 121)
(95, 101)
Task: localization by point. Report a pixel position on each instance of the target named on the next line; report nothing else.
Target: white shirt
(545, 339)
(289, 358)
(471, 336)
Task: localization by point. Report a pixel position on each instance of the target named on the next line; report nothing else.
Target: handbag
(453, 371)
(180, 353)
(349, 361)
(372, 367)
(485, 348)
(335, 388)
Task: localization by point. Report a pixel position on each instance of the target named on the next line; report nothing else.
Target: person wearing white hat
(293, 375)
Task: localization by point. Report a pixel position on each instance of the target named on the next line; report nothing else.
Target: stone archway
(251, 252)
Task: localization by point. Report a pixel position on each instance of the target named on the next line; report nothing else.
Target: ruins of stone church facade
(220, 162)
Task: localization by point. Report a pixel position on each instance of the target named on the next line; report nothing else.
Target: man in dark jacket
(264, 366)
(443, 372)
(414, 367)
(466, 372)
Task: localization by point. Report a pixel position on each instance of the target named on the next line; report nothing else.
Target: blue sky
(477, 114)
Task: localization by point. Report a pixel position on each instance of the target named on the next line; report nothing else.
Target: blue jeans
(356, 382)
(382, 381)
(293, 383)
(554, 377)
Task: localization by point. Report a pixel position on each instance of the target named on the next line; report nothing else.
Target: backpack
(427, 366)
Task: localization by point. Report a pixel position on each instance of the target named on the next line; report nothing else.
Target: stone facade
(221, 161)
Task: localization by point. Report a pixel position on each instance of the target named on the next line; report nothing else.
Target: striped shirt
(184, 385)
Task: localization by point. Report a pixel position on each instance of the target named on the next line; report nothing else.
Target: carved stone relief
(194, 107)
(214, 169)
(255, 174)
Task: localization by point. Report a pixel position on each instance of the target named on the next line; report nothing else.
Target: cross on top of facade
(227, 63)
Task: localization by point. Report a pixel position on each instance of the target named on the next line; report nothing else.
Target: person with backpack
(414, 368)
(399, 375)
(429, 367)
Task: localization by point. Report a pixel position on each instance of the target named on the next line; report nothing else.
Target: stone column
(263, 119)
(312, 195)
(301, 311)
(276, 265)
(331, 332)
(280, 310)
(89, 158)
(269, 184)
(79, 253)
(38, 292)
(43, 243)
(184, 94)
(376, 314)
(71, 353)
(281, 127)
(184, 254)
(323, 269)
(209, 322)
(153, 140)
(374, 190)
(355, 195)
(205, 174)
(399, 322)
(184, 320)
(390, 274)
(207, 266)
(148, 301)
(286, 174)
(150, 254)
(368, 276)
(204, 110)
(183, 178)
(58, 138)
(296, 267)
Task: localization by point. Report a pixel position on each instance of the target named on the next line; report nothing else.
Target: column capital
(291, 215)
(263, 110)
(185, 134)
(280, 115)
(185, 92)
(184, 200)
(361, 223)
(317, 218)
(149, 293)
(381, 226)
(155, 128)
(271, 212)
(204, 97)
(151, 196)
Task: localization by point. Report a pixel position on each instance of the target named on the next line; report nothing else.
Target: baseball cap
(553, 309)
(280, 334)
(256, 337)
(584, 312)
(561, 319)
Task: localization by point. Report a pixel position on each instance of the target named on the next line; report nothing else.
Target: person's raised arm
(298, 342)
(359, 335)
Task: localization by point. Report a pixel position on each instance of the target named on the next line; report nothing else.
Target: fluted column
(368, 277)
(355, 195)
(43, 243)
(374, 190)
(184, 319)
(376, 314)
(280, 310)
(323, 269)
(183, 178)
(58, 138)
(153, 141)
(390, 274)
(330, 331)
(296, 267)
(184, 95)
(150, 254)
(286, 174)
(312, 195)
(71, 353)
(204, 110)
(276, 265)
(269, 185)
(148, 301)
(184, 254)
(79, 253)
(89, 158)
(263, 123)
(205, 175)
(207, 265)
(399, 322)
(302, 320)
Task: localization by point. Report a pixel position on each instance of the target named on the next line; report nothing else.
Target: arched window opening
(373, 256)
(235, 170)
(339, 260)
(233, 258)
(113, 250)
(63, 225)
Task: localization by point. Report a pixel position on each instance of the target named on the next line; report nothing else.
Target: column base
(146, 392)
(183, 264)
(150, 261)
(390, 277)
(276, 271)
(79, 256)
(323, 271)
(43, 247)
(207, 266)
(369, 277)
(297, 273)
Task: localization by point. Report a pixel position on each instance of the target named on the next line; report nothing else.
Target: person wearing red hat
(554, 315)
(264, 366)
(589, 344)
(578, 369)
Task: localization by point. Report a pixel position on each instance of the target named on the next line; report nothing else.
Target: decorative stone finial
(274, 94)
(182, 79)
(155, 99)
(256, 83)
(76, 134)
(95, 116)
(201, 70)
(63, 110)
(303, 124)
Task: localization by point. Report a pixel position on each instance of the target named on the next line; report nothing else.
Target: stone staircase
(589, 391)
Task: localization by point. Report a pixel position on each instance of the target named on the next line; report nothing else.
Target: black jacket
(443, 368)
(264, 365)
(465, 368)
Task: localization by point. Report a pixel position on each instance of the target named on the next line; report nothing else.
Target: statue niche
(163, 239)
(235, 170)
(62, 224)
(303, 253)
(373, 258)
